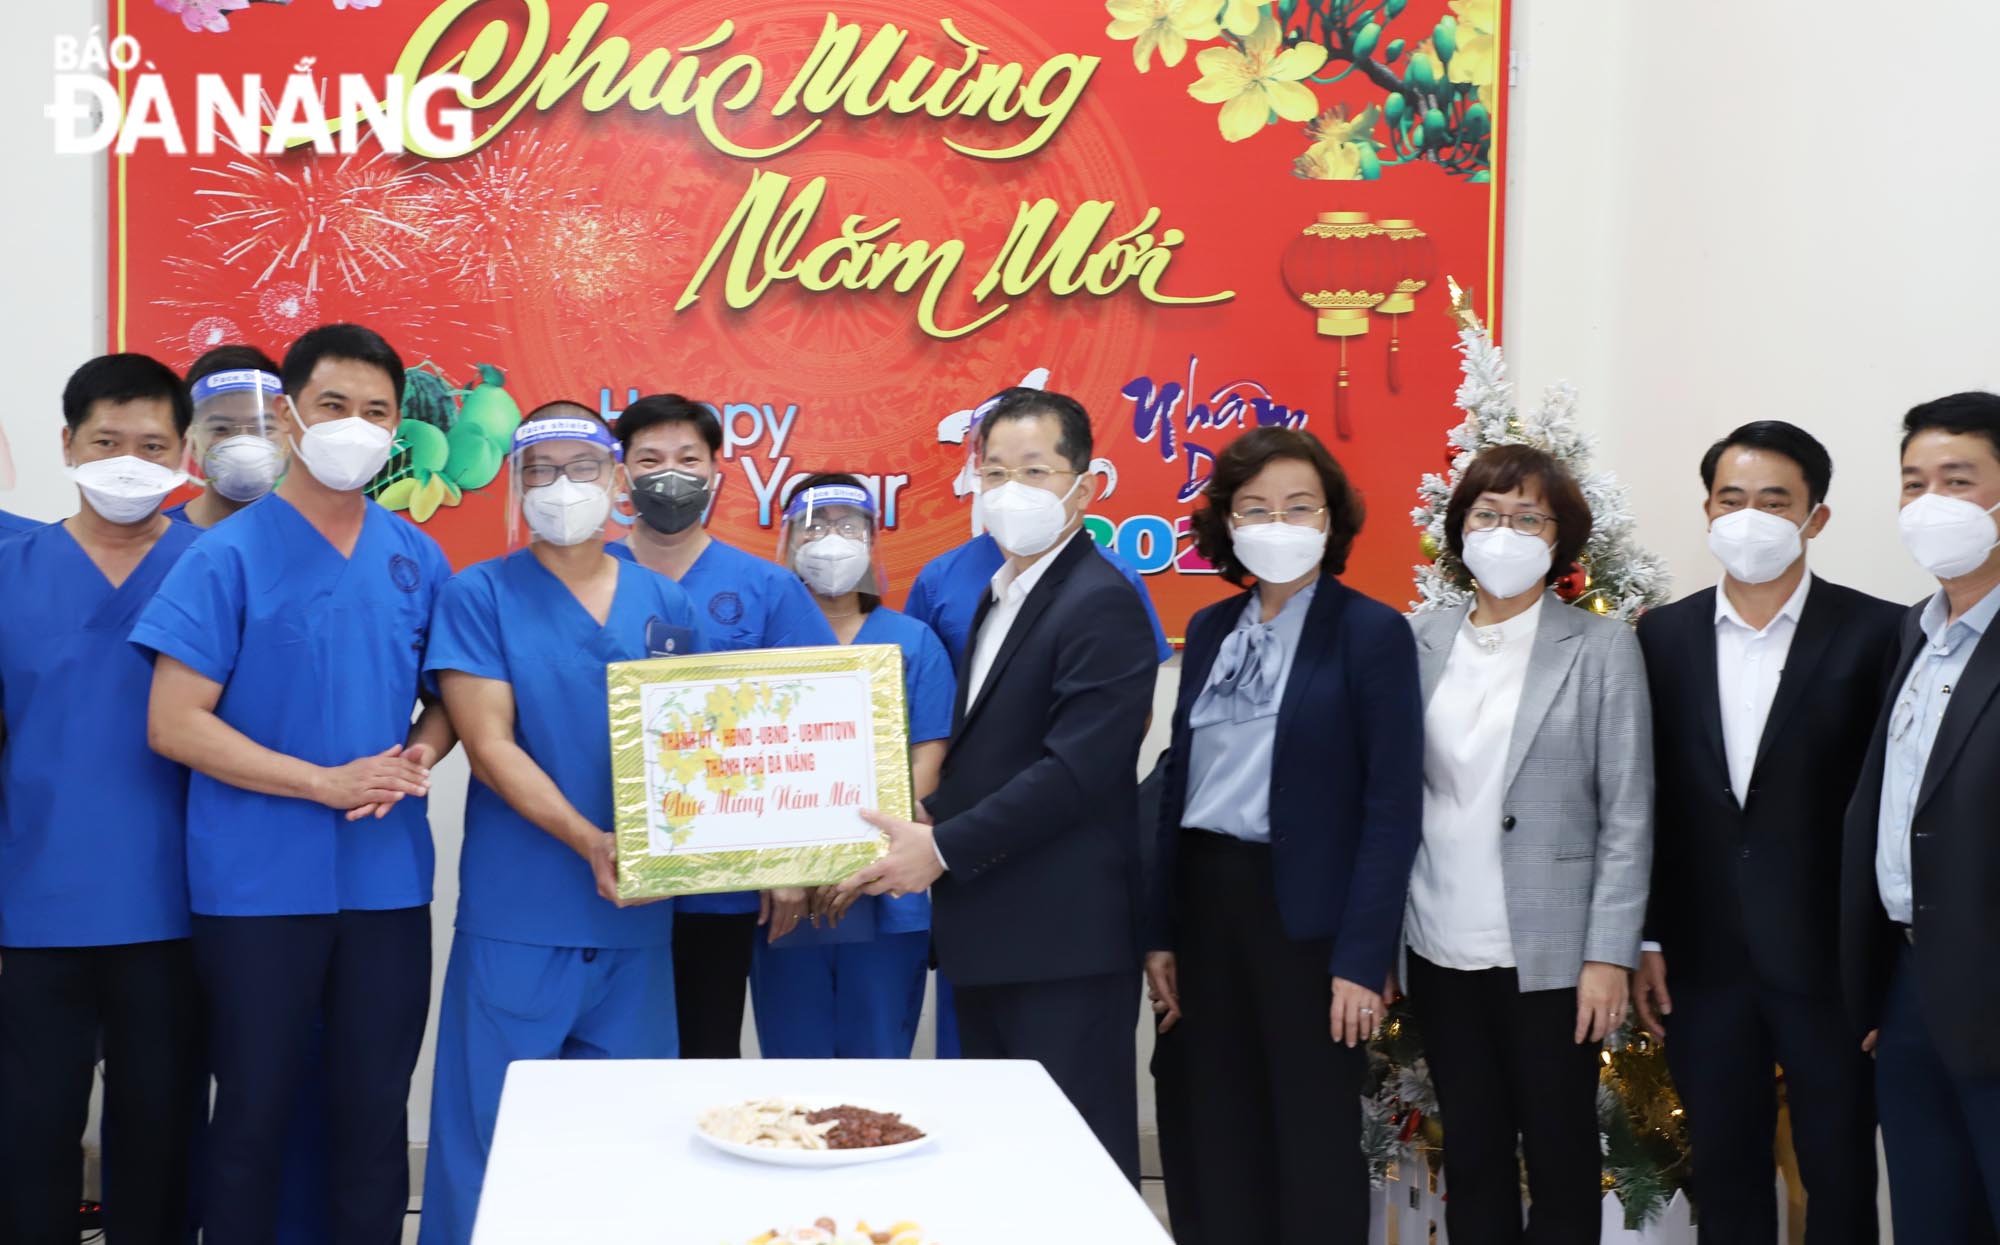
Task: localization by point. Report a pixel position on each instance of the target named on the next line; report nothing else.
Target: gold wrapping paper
(747, 770)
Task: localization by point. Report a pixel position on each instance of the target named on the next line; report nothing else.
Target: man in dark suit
(1764, 692)
(1033, 863)
(1920, 882)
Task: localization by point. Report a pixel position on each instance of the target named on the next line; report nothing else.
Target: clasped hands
(909, 868)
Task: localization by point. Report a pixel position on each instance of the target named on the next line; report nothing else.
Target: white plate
(816, 1158)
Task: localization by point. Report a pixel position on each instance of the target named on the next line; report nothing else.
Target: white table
(604, 1152)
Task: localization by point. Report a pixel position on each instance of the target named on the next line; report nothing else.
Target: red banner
(842, 224)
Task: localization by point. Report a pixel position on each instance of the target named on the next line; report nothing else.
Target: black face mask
(670, 501)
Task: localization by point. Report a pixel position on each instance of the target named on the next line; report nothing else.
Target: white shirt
(1458, 891)
(1009, 591)
(1748, 663)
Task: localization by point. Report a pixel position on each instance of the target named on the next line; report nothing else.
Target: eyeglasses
(852, 528)
(1528, 523)
(1039, 477)
(581, 470)
(1300, 515)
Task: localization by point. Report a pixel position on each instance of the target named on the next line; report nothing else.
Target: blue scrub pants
(509, 1000)
(854, 1000)
(366, 977)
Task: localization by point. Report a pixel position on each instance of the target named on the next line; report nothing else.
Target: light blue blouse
(1235, 722)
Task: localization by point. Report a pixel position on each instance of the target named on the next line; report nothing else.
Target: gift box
(749, 770)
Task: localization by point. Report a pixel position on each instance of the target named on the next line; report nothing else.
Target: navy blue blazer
(1347, 778)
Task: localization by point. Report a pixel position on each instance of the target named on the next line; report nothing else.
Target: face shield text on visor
(563, 473)
(828, 538)
(236, 439)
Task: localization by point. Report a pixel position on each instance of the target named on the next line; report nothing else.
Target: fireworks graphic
(287, 309)
(211, 331)
(317, 221)
(485, 211)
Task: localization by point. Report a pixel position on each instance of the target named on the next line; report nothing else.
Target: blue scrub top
(512, 620)
(15, 525)
(946, 592)
(745, 602)
(320, 657)
(179, 514)
(93, 836)
(930, 693)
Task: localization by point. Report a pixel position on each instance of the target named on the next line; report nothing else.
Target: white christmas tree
(1619, 577)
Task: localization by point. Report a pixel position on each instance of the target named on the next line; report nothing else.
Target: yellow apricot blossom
(1260, 79)
(1162, 25)
(1477, 57)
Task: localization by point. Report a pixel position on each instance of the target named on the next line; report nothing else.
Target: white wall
(1718, 213)
(1730, 212)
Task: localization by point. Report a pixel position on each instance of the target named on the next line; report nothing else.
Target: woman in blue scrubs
(546, 963)
(289, 647)
(93, 880)
(850, 984)
(672, 448)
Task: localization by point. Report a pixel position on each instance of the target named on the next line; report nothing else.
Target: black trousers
(1722, 1040)
(1273, 1102)
(1511, 1080)
(1179, 1157)
(55, 1006)
(711, 975)
(366, 977)
(1083, 1032)
(1940, 1130)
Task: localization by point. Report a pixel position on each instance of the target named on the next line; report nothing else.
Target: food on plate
(857, 1128)
(780, 1124)
(827, 1232)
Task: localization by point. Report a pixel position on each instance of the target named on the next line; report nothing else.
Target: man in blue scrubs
(945, 595)
(93, 880)
(850, 984)
(671, 446)
(289, 648)
(547, 963)
(238, 438)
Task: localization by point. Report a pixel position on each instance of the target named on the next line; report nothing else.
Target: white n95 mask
(1025, 520)
(1278, 553)
(831, 565)
(343, 454)
(566, 512)
(242, 468)
(1507, 563)
(1948, 536)
(127, 488)
(1755, 546)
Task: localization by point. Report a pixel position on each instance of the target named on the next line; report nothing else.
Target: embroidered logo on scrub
(726, 608)
(403, 572)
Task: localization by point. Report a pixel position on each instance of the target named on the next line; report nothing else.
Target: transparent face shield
(563, 476)
(237, 440)
(829, 539)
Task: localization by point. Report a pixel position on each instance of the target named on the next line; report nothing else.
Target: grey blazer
(1578, 811)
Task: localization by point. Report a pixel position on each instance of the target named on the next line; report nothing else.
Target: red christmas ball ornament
(1573, 585)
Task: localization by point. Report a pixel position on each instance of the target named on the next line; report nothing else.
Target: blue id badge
(663, 640)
